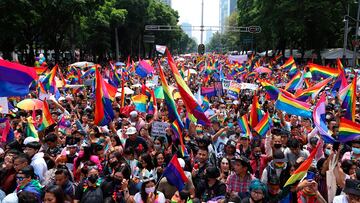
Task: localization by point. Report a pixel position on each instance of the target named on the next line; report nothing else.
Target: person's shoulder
(340, 199)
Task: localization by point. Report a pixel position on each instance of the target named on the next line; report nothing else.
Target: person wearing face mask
(258, 161)
(90, 190)
(278, 166)
(148, 192)
(354, 154)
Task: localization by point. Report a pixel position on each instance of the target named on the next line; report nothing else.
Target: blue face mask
(356, 150)
(327, 151)
(231, 125)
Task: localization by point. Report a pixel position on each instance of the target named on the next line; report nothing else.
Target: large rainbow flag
(188, 98)
(103, 108)
(348, 98)
(47, 119)
(264, 125)
(348, 130)
(293, 106)
(255, 112)
(312, 91)
(300, 172)
(288, 64)
(318, 71)
(244, 125)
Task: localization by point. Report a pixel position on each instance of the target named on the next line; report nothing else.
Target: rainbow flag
(177, 129)
(264, 125)
(288, 64)
(143, 69)
(30, 129)
(169, 100)
(293, 70)
(300, 172)
(244, 125)
(111, 90)
(313, 91)
(152, 103)
(103, 107)
(295, 82)
(255, 112)
(174, 174)
(140, 102)
(340, 83)
(15, 79)
(319, 114)
(271, 90)
(233, 92)
(348, 130)
(49, 82)
(189, 100)
(293, 106)
(348, 98)
(205, 104)
(40, 70)
(47, 119)
(318, 71)
(89, 71)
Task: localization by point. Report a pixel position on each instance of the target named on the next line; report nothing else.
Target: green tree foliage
(27, 26)
(294, 24)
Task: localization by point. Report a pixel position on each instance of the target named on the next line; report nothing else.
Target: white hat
(30, 139)
(133, 114)
(181, 162)
(131, 131)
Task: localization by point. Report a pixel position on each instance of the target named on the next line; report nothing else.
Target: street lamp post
(345, 34)
(356, 33)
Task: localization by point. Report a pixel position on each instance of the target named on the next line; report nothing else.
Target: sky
(190, 12)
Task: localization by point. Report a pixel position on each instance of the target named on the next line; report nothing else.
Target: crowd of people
(75, 160)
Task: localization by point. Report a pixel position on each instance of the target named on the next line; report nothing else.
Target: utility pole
(202, 21)
(346, 34)
(356, 33)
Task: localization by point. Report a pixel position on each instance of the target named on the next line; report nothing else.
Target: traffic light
(201, 49)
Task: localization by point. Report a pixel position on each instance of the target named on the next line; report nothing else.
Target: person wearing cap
(243, 146)
(136, 120)
(278, 166)
(37, 159)
(134, 141)
(26, 181)
(211, 187)
(238, 183)
(352, 192)
(229, 151)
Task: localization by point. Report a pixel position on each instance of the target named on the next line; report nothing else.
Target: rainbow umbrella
(30, 104)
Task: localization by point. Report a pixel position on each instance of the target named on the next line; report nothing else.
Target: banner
(208, 91)
(159, 128)
(4, 106)
(219, 89)
(226, 84)
(234, 90)
(238, 58)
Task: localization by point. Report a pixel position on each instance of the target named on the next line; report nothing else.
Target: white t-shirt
(340, 199)
(160, 198)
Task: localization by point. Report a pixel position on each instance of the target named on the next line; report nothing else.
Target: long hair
(143, 194)
(57, 192)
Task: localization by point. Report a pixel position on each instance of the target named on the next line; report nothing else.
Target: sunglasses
(20, 178)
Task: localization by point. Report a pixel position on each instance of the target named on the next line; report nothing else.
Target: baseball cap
(131, 131)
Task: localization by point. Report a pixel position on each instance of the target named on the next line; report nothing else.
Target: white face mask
(149, 190)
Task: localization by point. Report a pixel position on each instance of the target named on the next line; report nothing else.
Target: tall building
(168, 2)
(226, 8)
(187, 28)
